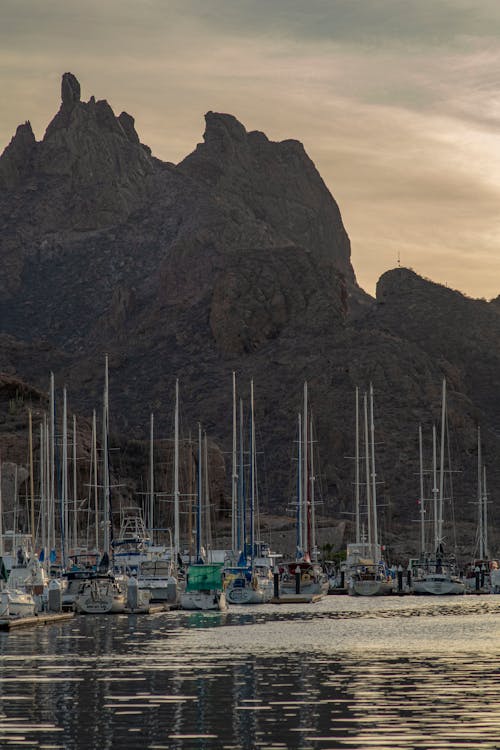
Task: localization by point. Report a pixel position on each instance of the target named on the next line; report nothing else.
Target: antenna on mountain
(399, 259)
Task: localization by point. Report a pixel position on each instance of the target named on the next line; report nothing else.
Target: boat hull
(16, 604)
(248, 595)
(203, 600)
(438, 585)
(371, 588)
(100, 598)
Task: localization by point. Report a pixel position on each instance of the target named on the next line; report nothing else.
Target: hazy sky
(396, 101)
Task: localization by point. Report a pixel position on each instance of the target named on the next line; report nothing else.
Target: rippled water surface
(343, 673)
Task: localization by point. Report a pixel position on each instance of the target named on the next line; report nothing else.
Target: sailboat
(435, 575)
(99, 592)
(204, 585)
(14, 602)
(250, 581)
(365, 569)
(305, 575)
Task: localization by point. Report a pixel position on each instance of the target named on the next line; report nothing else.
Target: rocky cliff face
(234, 259)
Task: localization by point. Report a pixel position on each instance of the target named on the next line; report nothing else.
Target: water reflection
(346, 674)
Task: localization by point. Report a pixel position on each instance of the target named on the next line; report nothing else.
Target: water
(350, 673)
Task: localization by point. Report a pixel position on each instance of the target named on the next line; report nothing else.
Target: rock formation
(234, 259)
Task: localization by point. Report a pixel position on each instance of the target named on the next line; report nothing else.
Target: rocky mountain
(234, 259)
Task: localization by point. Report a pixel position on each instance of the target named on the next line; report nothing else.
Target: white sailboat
(100, 595)
(204, 587)
(305, 572)
(250, 581)
(435, 575)
(14, 602)
(365, 569)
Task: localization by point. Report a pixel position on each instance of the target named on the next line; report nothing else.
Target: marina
(348, 672)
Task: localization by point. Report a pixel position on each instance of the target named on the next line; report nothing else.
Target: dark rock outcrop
(235, 259)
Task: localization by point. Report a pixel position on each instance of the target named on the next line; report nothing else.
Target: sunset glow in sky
(396, 101)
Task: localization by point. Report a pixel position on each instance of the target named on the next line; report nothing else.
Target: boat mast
(300, 550)
(242, 489)
(51, 537)
(367, 473)
(199, 499)
(105, 427)
(441, 468)
(64, 495)
(480, 495)
(373, 472)
(206, 499)
(43, 496)
(435, 489)
(177, 533)
(234, 479)
(32, 479)
(422, 509)
(75, 499)
(485, 508)
(252, 477)
(151, 477)
(46, 432)
(305, 477)
(356, 470)
(314, 552)
(96, 497)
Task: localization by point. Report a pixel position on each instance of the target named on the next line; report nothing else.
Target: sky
(396, 101)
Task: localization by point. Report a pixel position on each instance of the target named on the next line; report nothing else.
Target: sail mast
(96, 497)
(51, 516)
(105, 427)
(356, 471)
(312, 481)
(300, 544)
(199, 498)
(64, 495)
(75, 501)
(422, 509)
(485, 512)
(151, 477)
(441, 467)
(305, 476)
(234, 478)
(177, 533)
(252, 476)
(206, 500)
(480, 495)
(435, 489)
(367, 473)
(32, 479)
(373, 472)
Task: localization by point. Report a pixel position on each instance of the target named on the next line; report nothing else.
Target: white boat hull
(100, 599)
(248, 595)
(371, 587)
(203, 600)
(313, 588)
(16, 604)
(438, 585)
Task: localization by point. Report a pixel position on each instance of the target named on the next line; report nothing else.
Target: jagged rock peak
(221, 127)
(70, 90)
(16, 158)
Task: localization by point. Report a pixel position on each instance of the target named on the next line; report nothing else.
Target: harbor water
(352, 673)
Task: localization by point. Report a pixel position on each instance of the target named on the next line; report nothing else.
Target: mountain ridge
(235, 259)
